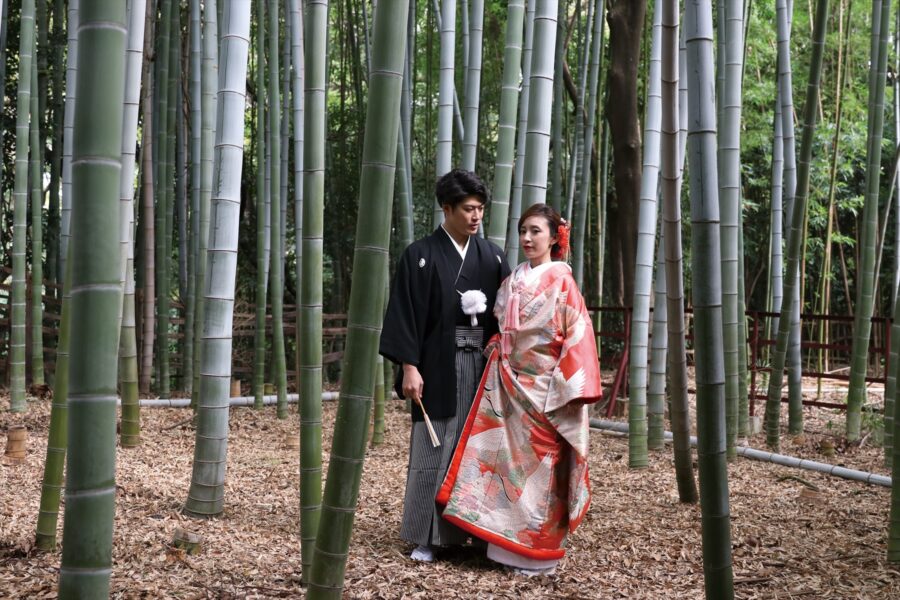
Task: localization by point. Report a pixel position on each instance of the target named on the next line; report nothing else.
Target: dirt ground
(637, 541)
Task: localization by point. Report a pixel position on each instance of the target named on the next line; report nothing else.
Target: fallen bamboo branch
(779, 459)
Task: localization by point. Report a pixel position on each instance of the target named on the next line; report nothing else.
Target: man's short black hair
(459, 184)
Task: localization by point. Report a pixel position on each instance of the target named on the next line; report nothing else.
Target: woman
(519, 477)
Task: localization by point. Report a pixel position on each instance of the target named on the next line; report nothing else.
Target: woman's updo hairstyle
(558, 226)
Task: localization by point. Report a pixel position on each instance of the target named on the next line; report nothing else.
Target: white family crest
(421, 262)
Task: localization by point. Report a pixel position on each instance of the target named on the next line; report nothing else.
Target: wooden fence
(334, 331)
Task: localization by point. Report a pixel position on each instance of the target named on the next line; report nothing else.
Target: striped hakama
(422, 523)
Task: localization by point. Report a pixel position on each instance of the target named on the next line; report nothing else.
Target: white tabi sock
(422, 554)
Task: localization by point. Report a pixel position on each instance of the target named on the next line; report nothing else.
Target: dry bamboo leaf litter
(637, 541)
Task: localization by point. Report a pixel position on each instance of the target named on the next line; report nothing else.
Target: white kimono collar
(462, 251)
(526, 273)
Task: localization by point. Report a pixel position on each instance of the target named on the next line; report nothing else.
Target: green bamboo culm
(297, 75)
(656, 383)
(365, 315)
(509, 106)
(671, 170)
(576, 155)
(96, 300)
(795, 234)
(161, 177)
(384, 378)
(743, 428)
(404, 193)
(378, 407)
(195, 39)
(537, 139)
(793, 351)
(707, 296)
(406, 216)
(208, 76)
(20, 208)
(643, 274)
(784, 186)
(51, 488)
(37, 235)
(54, 258)
(729, 154)
(40, 125)
(276, 269)
(128, 368)
(206, 496)
(775, 291)
(149, 155)
(515, 203)
(893, 541)
(286, 114)
(182, 231)
(890, 394)
(259, 338)
(865, 290)
(473, 85)
(55, 462)
(557, 114)
(446, 91)
(587, 147)
(170, 180)
(65, 214)
(310, 368)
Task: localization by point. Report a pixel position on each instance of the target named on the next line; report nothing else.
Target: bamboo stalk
(128, 368)
(96, 300)
(515, 205)
(537, 137)
(206, 494)
(707, 299)
(20, 206)
(509, 105)
(365, 314)
(37, 228)
(316, 36)
(865, 291)
(276, 285)
(643, 272)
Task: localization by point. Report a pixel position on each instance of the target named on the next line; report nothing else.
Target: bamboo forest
(208, 207)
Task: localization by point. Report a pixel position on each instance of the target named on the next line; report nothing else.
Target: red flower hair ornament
(562, 240)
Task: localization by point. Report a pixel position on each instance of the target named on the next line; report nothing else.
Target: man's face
(464, 218)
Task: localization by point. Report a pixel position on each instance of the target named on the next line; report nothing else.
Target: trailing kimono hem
(506, 543)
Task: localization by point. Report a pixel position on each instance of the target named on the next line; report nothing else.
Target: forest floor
(637, 540)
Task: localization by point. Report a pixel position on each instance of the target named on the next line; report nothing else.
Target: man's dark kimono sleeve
(403, 333)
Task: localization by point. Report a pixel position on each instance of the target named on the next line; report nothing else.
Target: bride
(519, 476)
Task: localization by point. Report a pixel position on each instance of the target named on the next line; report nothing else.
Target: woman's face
(535, 239)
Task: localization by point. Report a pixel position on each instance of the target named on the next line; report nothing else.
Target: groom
(439, 346)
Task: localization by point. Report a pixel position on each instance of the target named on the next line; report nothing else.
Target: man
(439, 346)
